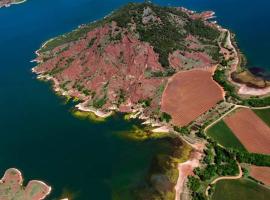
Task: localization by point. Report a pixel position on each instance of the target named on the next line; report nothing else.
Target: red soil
(186, 169)
(261, 174)
(189, 94)
(121, 66)
(252, 132)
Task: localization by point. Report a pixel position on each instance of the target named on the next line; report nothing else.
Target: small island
(7, 3)
(11, 187)
(183, 75)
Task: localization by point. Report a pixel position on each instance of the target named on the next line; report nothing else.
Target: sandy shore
(245, 90)
(98, 113)
(162, 129)
(186, 169)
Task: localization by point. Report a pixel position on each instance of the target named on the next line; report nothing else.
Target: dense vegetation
(165, 117)
(257, 102)
(217, 162)
(221, 78)
(166, 36)
(251, 158)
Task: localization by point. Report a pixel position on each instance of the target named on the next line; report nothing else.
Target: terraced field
(221, 133)
(240, 189)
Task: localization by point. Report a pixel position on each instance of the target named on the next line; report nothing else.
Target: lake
(39, 135)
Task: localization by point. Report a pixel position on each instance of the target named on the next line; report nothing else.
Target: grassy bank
(221, 133)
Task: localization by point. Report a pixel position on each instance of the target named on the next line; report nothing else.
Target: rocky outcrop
(7, 3)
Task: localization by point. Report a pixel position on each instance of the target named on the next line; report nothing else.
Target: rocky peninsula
(150, 62)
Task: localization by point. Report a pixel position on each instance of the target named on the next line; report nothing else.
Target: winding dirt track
(226, 178)
(229, 177)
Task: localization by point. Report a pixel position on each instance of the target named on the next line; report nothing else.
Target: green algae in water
(144, 158)
(140, 133)
(161, 176)
(88, 115)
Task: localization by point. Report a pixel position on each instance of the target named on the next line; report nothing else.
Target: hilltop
(123, 61)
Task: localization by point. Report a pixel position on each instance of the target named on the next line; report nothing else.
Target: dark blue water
(39, 135)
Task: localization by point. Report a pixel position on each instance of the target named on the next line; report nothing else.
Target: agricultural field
(189, 94)
(264, 115)
(252, 132)
(221, 133)
(261, 174)
(240, 189)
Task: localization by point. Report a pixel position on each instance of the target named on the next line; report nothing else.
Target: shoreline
(135, 113)
(97, 112)
(242, 89)
(186, 169)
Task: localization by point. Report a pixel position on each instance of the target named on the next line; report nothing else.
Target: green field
(221, 133)
(240, 189)
(264, 115)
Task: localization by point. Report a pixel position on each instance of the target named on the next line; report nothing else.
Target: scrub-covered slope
(124, 60)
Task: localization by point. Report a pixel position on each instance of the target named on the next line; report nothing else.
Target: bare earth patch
(252, 132)
(189, 94)
(186, 169)
(11, 187)
(261, 174)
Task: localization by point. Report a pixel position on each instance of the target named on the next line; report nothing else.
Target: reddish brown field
(252, 132)
(189, 94)
(261, 174)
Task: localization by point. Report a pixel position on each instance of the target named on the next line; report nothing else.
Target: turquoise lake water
(38, 133)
